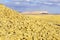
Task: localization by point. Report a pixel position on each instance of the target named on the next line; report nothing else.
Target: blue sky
(52, 6)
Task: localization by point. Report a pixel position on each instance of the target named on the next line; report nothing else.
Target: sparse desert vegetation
(15, 26)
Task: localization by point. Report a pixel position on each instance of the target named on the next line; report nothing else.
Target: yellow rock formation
(15, 26)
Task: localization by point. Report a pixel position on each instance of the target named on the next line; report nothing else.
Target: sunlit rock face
(15, 26)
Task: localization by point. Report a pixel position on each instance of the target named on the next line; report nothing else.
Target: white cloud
(58, 4)
(4, 1)
(55, 0)
(28, 0)
(16, 0)
(48, 3)
(17, 3)
(34, 2)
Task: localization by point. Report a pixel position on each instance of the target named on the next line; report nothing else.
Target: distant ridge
(36, 12)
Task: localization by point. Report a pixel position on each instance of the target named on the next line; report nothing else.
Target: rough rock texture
(15, 26)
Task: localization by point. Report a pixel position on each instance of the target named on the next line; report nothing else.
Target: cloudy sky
(52, 6)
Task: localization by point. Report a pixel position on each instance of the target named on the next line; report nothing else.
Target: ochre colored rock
(15, 26)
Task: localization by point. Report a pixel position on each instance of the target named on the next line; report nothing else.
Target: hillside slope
(15, 26)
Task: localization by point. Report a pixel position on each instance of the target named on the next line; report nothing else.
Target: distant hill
(36, 12)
